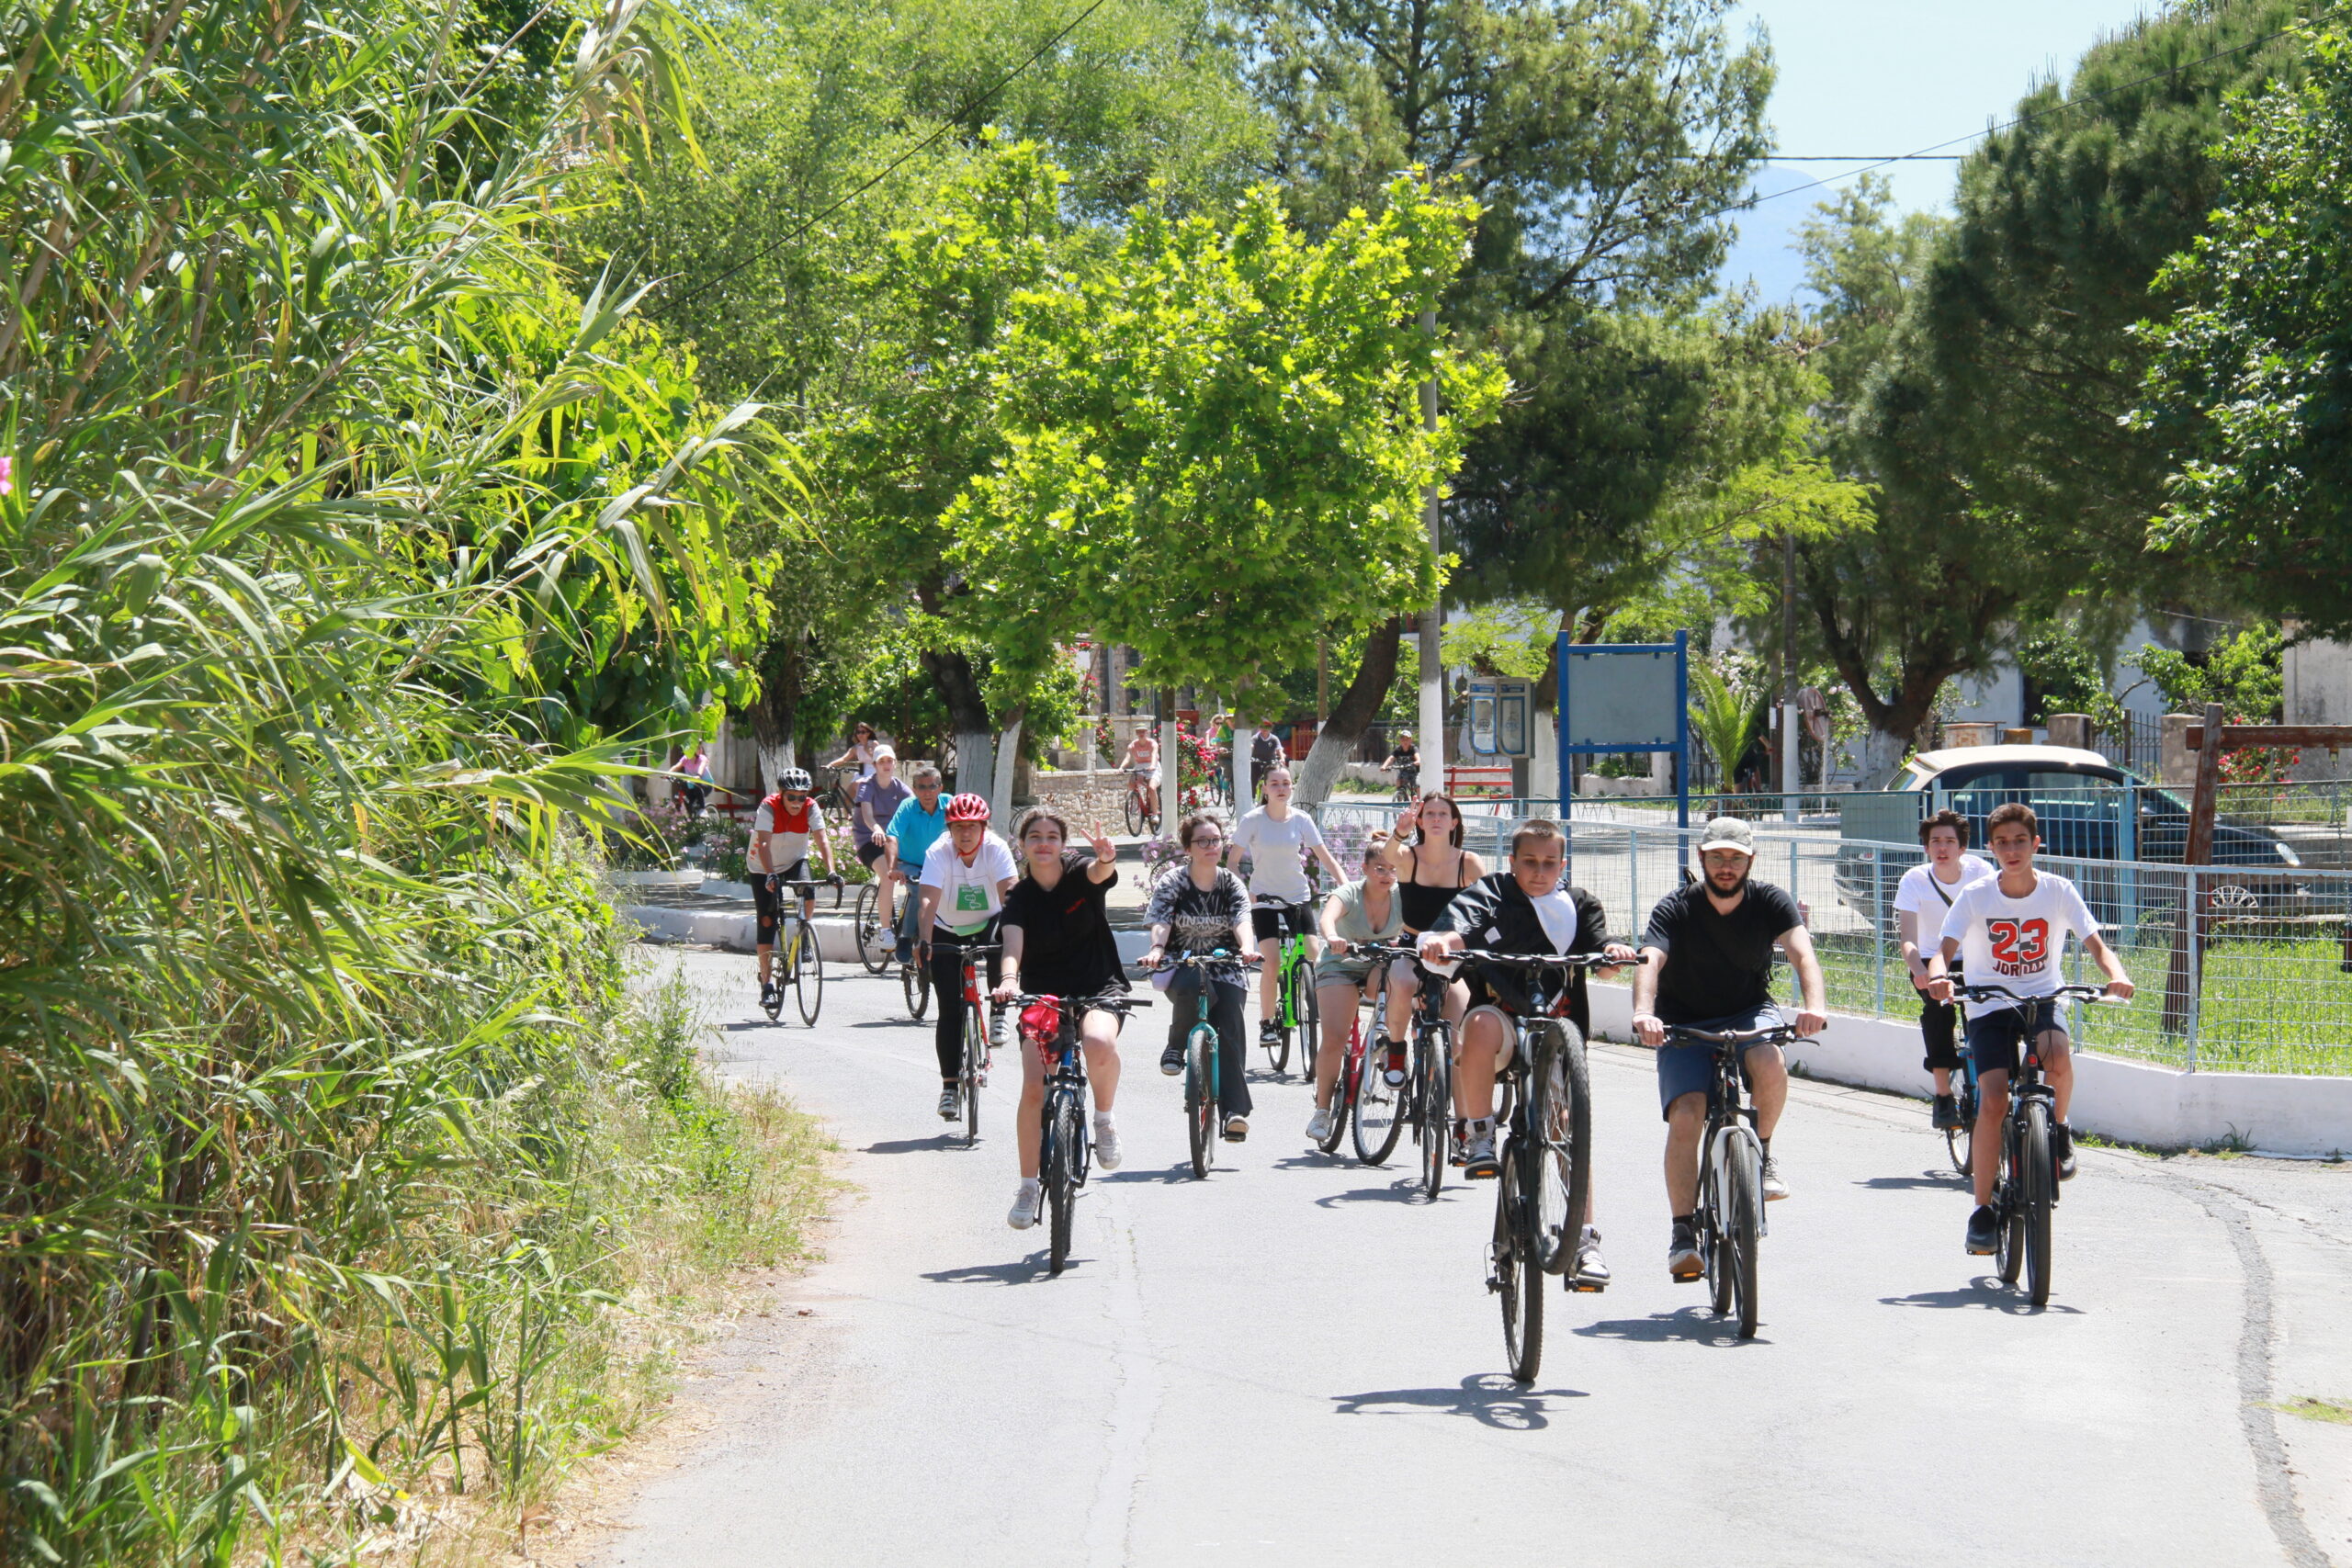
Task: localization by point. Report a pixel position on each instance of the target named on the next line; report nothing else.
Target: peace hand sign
(1105, 852)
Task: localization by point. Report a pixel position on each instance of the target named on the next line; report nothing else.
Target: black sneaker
(1682, 1258)
(2061, 1149)
(1171, 1061)
(1984, 1238)
(767, 994)
(1947, 1113)
(1269, 1032)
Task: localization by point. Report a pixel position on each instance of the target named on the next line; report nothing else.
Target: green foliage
(1511, 638)
(2067, 676)
(2251, 377)
(2245, 672)
(1726, 716)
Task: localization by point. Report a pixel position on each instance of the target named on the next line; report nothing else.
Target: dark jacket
(1493, 913)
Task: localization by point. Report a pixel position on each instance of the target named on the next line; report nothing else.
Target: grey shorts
(1690, 1069)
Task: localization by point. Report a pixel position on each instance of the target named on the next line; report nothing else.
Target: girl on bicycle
(1431, 868)
(1057, 942)
(862, 746)
(1198, 908)
(1362, 911)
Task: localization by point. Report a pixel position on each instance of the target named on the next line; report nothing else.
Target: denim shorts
(1690, 1069)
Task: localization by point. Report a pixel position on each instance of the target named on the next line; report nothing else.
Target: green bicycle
(1297, 1012)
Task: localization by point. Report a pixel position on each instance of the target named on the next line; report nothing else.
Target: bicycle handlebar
(1218, 959)
(1547, 959)
(807, 886)
(2064, 993)
(1771, 1034)
(1108, 1001)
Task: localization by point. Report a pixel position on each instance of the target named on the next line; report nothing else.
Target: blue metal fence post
(1633, 877)
(1683, 729)
(1878, 931)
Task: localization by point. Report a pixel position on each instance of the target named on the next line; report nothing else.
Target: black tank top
(1422, 904)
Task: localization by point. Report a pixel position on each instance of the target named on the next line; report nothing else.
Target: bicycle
(1065, 1145)
(1363, 1098)
(2025, 1189)
(974, 1073)
(1203, 1072)
(1409, 786)
(1297, 1007)
(1960, 1141)
(800, 964)
(1140, 819)
(877, 942)
(1428, 1096)
(1730, 1219)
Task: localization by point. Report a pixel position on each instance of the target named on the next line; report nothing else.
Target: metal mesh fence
(2237, 969)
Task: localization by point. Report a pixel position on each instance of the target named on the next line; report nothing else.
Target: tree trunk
(771, 714)
(1008, 752)
(968, 718)
(1350, 715)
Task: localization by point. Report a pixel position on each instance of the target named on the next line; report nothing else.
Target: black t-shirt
(1716, 965)
(1265, 748)
(1066, 948)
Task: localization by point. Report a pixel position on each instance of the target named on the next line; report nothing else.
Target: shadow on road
(1405, 1190)
(1491, 1399)
(1944, 1180)
(1692, 1325)
(915, 1145)
(1983, 1292)
(1172, 1176)
(1020, 1272)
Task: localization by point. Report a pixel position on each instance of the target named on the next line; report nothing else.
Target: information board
(1627, 697)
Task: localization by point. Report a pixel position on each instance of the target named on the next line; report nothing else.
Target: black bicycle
(2025, 1188)
(1065, 1145)
(1731, 1170)
(878, 940)
(1545, 1166)
(1428, 1096)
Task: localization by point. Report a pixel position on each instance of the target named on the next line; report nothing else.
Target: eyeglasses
(928, 788)
(1725, 857)
(794, 793)
(1205, 842)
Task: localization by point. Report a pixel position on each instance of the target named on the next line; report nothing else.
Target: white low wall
(2133, 1102)
(836, 936)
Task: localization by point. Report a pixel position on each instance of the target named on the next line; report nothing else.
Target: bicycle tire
(1310, 1017)
(1519, 1281)
(1435, 1108)
(1342, 1100)
(2037, 1176)
(1958, 1144)
(874, 942)
(1061, 1189)
(1378, 1111)
(970, 1079)
(1136, 817)
(914, 980)
(807, 975)
(1746, 1214)
(1559, 1120)
(2011, 1249)
(1200, 1096)
(1714, 1251)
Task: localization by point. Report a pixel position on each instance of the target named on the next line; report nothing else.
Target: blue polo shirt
(917, 829)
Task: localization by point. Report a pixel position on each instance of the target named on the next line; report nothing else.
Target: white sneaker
(1774, 1188)
(1318, 1126)
(1024, 1206)
(1106, 1143)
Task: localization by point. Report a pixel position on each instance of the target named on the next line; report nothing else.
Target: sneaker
(1395, 1071)
(1106, 1143)
(1591, 1271)
(1773, 1186)
(1946, 1115)
(1269, 1032)
(996, 1030)
(769, 996)
(1984, 1239)
(1237, 1128)
(905, 954)
(1478, 1152)
(1318, 1126)
(1682, 1260)
(1171, 1061)
(951, 1103)
(2062, 1148)
(1024, 1206)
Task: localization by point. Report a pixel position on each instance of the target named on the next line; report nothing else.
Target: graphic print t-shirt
(2017, 942)
(791, 829)
(968, 895)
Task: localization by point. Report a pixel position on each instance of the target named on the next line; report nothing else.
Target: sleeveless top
(1421, 903)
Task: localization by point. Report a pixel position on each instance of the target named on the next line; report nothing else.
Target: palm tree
(1724, 719)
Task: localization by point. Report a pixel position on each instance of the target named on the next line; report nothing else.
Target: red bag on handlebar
(1042, 1021)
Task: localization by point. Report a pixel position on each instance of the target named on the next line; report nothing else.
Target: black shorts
(768, 904)
(868, 853)
(1266, 923)
(1994, 1039)
(1940, 1027)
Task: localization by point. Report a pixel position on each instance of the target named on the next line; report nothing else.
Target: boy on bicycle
(1710, 949)
(2010, 931)
(783, 828)
(1522, 910)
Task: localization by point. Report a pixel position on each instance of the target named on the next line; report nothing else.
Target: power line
(2011, 124)
(958, 117)
(1866, 158)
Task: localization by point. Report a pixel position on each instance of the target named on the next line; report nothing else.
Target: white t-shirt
(791, 830)
(1558, 913)
(1277, 851)
(2017, 942)
(968, 895)
(1921, 891)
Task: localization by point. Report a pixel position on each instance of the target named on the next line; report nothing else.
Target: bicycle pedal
(1587, 1287)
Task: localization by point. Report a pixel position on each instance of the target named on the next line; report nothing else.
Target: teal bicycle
(1297, 1013)
(1203, 1071)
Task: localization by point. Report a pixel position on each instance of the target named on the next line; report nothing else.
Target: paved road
(1296, 1362)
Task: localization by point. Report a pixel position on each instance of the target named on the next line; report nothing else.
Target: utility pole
(1432, 669)
(1790, 774)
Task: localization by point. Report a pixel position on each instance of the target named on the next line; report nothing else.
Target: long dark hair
(1029, 819)
(1421, 834)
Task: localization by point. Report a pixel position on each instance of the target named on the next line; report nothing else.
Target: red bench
(1474, 782)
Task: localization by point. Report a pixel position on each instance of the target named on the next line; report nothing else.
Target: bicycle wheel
(914, 979)
(875, 940)
(1517, 1279)
(1135, 818)
(1309, 1012)
(1200, 1096)
(1342, 1098)
(2008, 1208)
(1433, 1098)
(1744, 1210)
(1958, 1142)
(807, 975)
(2036, 1175)
(1559, 1122)
(1714, 1252)
(1379, 1113)
(970, 1079)
(1061, 1178)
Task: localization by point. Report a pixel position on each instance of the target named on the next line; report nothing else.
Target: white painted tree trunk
(773, 760)
(975, 762)
(1242, 781)
(1319, 773)
(1008, 753)
(1881, 758)
(1171, 777)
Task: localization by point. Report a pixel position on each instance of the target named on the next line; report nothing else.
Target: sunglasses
(796, 795)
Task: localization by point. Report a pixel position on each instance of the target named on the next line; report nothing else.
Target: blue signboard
(1627, 696)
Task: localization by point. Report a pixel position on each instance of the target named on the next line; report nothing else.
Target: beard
(1736, 888)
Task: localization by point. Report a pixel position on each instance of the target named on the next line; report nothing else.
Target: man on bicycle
(1404, 760)
(782, 830)
(1142, 763)
(1921, 900)
(1521, 909)
(915, 826)
(2010, 931)
(966, 875)
(1709, 951)
(1278, 840)
(1265, 755)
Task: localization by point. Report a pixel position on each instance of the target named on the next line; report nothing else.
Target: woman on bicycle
(1057, 942)
(1198, 908)
(1362, 911)
(1278, 841)
(1431, 868)
(965, 875)
(862, 746)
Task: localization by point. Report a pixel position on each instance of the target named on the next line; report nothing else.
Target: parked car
(2088, 809)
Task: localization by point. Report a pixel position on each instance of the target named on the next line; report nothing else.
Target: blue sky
(1873, 77)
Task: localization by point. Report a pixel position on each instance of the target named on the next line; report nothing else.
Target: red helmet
(968, 808)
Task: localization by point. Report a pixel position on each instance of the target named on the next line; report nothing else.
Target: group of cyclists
(1703, 962)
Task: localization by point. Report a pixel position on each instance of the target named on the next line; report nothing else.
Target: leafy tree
(1725, 718)
(2245, 672)
(2252, 376)
(2064, 674)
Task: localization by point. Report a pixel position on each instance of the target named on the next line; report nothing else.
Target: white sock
(1103, 1119)
(1030, 1183)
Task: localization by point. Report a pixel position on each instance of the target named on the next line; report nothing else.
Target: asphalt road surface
(1296, 1361)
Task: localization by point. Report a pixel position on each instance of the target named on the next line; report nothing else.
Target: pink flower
(7, 466)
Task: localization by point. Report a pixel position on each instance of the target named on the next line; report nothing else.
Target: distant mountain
(1765, 251)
